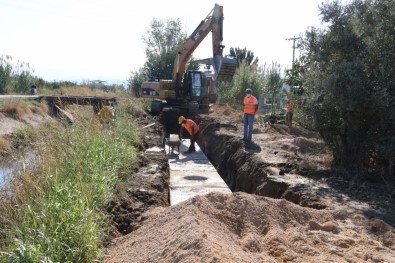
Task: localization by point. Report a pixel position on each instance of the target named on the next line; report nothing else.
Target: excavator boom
(193, 90)
(224, 68)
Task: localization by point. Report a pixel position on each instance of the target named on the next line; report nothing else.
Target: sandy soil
(249, 228)
(8, 125)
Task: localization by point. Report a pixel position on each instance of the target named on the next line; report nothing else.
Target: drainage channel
(192, 174)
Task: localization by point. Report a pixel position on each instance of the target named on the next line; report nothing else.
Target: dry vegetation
(78, 91)
(4, 145)
(318, 161)
(14, 110)
(17, 109)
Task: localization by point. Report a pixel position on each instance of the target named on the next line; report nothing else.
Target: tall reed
(56, 213)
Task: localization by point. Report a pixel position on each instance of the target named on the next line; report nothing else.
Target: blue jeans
(248, 121)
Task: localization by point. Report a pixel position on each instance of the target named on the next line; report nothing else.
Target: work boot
(191, 150)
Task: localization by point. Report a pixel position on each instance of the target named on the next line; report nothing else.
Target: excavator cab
(192, 93)
(193, 85)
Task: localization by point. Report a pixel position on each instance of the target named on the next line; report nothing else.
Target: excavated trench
(240, 165)
(244, 171)
(241, 169)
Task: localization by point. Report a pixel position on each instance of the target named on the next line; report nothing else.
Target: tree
(162, 41)
(135, 80)
(15, 78)
(23, 75)
(246, 76)
(5, 74)
(294, 77)
(242, 54)
(273, 83)
(349, 80)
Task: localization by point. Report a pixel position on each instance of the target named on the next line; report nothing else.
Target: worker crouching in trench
(192, 128)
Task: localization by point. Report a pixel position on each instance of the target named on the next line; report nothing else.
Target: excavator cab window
(196, 84)
(186, 85)
(193, 85)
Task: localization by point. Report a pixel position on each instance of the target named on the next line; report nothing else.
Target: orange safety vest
(249, 105)
(188, 126)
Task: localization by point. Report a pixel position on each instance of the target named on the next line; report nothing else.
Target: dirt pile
(250, 228)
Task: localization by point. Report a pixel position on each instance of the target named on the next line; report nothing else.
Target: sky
(82, 40)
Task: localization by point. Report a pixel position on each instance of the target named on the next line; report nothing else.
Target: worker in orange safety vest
(250, 108)
(192, 128)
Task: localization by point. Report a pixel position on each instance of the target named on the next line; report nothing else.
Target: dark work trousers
(193, 140)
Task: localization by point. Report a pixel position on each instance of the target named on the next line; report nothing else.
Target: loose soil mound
(249, 228)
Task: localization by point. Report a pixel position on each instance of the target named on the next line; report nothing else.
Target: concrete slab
(180, 195)
(192, 174)
(198, 165)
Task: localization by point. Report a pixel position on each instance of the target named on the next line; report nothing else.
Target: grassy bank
(56, 213)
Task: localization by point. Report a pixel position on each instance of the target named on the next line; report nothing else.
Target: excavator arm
(198, 35)
(212, 23)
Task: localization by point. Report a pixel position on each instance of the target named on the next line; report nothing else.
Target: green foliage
(23, 137)
(59, 218)
(135, 80)
(273, 82)
(242, 54)
(15, 77)
(18, 78)
(162, 40)
(5, 74)
(24, 82)
(294, 77)
(246, 76)
(349, 79)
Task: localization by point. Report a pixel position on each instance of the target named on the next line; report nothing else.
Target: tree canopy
(162, 41)
(246, 76)
(242, 54)
(273, 82)
(349, 80)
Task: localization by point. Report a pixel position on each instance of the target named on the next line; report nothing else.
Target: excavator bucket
(224, 68)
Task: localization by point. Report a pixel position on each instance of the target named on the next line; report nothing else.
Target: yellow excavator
(192, 90)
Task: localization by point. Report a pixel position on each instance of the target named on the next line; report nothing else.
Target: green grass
(56, 213)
